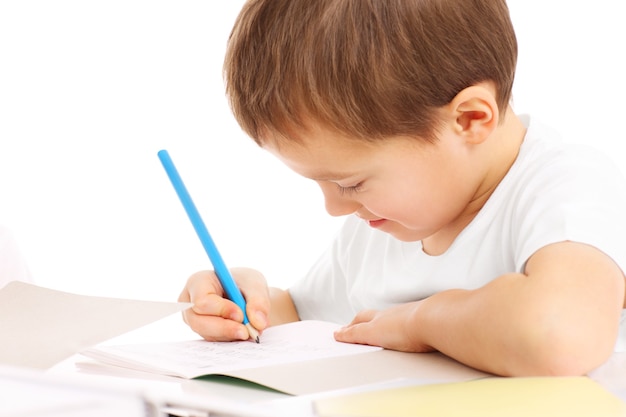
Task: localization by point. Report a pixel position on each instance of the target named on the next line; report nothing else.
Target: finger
(363, 316)
(200, 283)
(205, 293)
(256, 293)
(215, 329)
(357, 330)
(215, 305)
(354, 333)
(257, 307)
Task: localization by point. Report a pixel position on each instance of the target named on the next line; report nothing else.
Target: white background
(91, 90)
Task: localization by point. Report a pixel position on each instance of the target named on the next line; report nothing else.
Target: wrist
(418, 328)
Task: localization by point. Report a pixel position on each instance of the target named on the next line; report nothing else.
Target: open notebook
(295, 358)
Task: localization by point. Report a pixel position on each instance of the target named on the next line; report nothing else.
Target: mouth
(376, 223)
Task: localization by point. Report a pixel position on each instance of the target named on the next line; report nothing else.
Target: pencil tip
(254, 334)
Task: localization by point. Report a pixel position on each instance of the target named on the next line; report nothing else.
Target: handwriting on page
(213, 357)
(280, 345)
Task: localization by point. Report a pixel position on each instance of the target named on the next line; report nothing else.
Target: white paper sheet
(41, 327)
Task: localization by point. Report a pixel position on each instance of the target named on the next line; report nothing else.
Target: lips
(376, 223)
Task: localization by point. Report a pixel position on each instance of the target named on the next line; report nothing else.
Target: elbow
(565, 363)
(564, 355)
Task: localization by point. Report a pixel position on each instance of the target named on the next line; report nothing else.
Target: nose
(337, 204)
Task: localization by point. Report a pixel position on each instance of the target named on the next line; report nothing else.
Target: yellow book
(497, 397)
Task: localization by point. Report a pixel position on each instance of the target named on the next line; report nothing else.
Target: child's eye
(349, 190)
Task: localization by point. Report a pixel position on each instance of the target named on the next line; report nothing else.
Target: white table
(611, 375)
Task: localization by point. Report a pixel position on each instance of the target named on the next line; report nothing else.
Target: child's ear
(474, 113)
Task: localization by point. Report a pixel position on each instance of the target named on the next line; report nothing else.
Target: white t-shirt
(12, 265)
(555, 191)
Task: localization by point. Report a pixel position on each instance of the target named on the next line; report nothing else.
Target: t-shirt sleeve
(580, 198)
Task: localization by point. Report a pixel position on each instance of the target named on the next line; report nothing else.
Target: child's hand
(393, 328)
(216, 318)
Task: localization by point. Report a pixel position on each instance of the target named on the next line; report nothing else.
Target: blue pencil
(223, 274)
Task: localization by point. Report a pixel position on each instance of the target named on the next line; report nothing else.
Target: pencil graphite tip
(254, 334)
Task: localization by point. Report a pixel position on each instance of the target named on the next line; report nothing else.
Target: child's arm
(283, 309)
(560, 317)
(216, 318)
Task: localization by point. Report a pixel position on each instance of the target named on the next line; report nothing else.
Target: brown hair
(367, 69)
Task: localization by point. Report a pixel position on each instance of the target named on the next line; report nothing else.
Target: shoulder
(559, 191)
(543, 144)
(548, 166)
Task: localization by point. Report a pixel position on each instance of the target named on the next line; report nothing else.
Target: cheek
(404, 205)
(419, 204)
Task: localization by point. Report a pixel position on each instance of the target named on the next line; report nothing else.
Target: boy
(471, 230)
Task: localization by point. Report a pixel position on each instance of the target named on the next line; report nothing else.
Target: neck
(498, 155)
(503, 149)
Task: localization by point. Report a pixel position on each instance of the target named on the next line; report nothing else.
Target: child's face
(400, 185)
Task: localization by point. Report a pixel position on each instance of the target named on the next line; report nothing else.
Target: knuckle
(203, 304)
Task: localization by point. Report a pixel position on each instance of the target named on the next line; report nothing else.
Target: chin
(406, 235)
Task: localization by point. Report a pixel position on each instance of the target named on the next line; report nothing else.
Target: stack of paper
(42, 326)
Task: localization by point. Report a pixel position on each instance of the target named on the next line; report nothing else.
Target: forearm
(561, 317)
(283, 309)
(515, 326)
